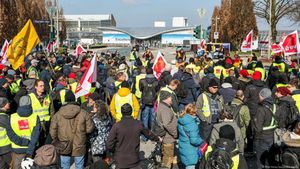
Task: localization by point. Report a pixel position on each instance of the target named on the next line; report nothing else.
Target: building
(85, 27)
(160, 24)
(179, 22)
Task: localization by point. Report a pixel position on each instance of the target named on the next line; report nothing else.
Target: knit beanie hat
(164, 95)
(227, 132)
(125, 84)
(244, 73)
(3, 102)
(213, 83)
(256, 75)
(2, 82)
(283, 91)
(70, 97)
(265, 93)
(126, 109)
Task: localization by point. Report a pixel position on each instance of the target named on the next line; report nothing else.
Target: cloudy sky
(143, 13)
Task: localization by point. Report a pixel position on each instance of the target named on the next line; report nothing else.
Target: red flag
(290, 44)
(49, 47)
(276, 48)
(247, 43)
(4, 51)
(79, 49)
(159, 65)
(89, 76)
(202, 43)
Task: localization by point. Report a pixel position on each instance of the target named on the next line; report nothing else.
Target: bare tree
(279, 10)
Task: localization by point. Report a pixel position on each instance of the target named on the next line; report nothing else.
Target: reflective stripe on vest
(226, 72)
(22, 127)
(296, 98)
(62, 94)
(281, 66)
(273, 121)
(262, 71)
(206, 107)
(14, 88)
(138, 78)
(119, 102)
(4, 140)
(218, 71)
(281, 85)
(131, 57)
(41, 110)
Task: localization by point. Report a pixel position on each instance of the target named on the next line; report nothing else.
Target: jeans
(147, 117)
(190, 167)
(262, 148)
(66, 160)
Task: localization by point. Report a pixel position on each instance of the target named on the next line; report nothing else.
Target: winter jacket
(252, 95)
(243, 83)
(150, 79)
(244, 115)
(71, 125)
(165, 79)
(178, 75)
(25, 111)
(167, 118)
(238, 134)
(263, 118)
(124, 141)
(124, 92)
(46, 77)
(98, 137)
(227, 92)
(4, 122)
(190, 86)
(200, 102)
(283, 110)
(189, 139)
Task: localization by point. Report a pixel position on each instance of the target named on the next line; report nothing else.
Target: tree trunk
(273, 22)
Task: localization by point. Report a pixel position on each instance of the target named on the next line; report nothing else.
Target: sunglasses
(215, 87)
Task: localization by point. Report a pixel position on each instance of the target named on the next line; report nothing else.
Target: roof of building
(88, 17)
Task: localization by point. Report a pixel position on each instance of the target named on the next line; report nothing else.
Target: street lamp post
(57, 26)
(201, 13)
(270, 30)
(216, 29)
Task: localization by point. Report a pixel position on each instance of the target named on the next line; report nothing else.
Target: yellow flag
(22, 44)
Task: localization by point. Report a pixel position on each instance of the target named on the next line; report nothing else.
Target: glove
(27, 163)
(202, 149)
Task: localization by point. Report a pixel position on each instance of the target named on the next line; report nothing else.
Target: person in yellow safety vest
(89, 105)
(13, 86)
(218, 69)
(5, 144)
(136, 83)
(120, 98)
(33, 66)
(181, 55)
(259, 67)
(226, 142)
(83, 99)
(171, 88)
(264, 125)
(120, 77)
(293, 86)
(72, 80)
(281, 82)
(26, 125)
(148, 57)
(209, 104)
(133, 55)
(227, 67)
(282, 67)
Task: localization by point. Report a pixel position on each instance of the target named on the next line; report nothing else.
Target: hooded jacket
(252, 95)
(284, 110)
(191, 88)
(71, 125)
(150, 79)
(244, 115)
(124, 92)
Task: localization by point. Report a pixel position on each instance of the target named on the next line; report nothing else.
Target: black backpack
(235, 110)
(149, 93)
(181, 91)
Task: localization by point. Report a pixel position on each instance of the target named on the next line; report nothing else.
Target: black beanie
(125, 84)
(213, 83)
(70, 97)
(227, 132)
(95, 96)
(126, 109)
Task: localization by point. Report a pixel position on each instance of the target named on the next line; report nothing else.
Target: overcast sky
(143, 13)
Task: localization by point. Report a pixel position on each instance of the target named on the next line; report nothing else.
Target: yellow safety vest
(262, 72)
(117, 84)
(14, 88)
(281, 66)
(296, 98)
(42, 110)
(138, 78)
(83, 99)
(145, 63)
(281, 85)
(23, 127)
(131, 57)
(32, 68)
(4, 140)
(250, 72)
(218, 71)
(226, 72)
(166, 89)
(273, 121)
(62, 94)
(74, 86)
(119, 102)
(235, 159)
(206, 107)
(19, 82)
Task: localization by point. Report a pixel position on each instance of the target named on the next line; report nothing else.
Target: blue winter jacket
(189, 139)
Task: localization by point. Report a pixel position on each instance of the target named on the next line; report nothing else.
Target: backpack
(285, 119)
(235, 110)
(149, 94)
(181, 91)
(46, 155)
(157, 127)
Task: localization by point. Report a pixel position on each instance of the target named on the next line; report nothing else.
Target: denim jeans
(190, 167)
(147, 117)
(262, 148)
(66, 160)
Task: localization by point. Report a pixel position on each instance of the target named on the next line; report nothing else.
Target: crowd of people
(204, 113)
